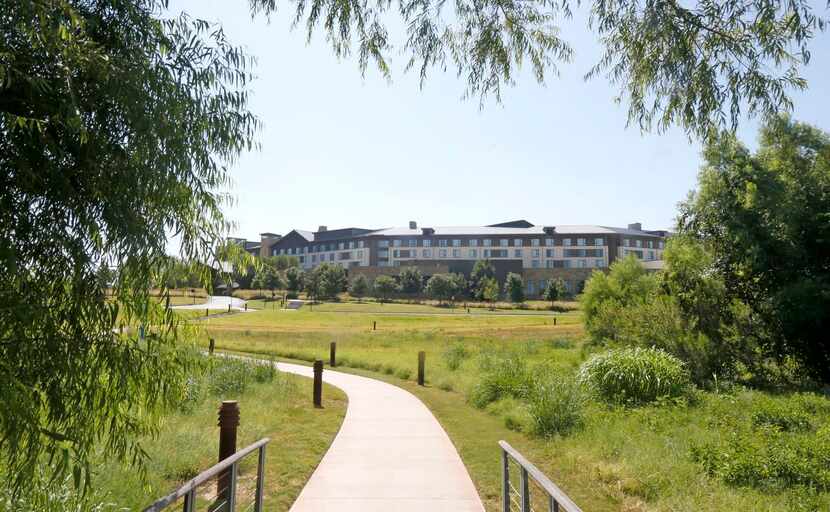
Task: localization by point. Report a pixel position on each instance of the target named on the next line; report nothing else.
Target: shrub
(454, 355)
(562, 343)
(555, 404)
(785, 417)
(635, 376)
(768, 458)
(506, 377)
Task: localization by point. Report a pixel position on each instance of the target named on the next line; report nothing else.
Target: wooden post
(554, 320)
(333, 354)
(375, 325)
(246, 306)
(228, 421)
(229, 308)
(206, 311)
(318, 383)
(211, 346)
(421, 360)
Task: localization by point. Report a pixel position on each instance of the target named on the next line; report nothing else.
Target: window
(504, 242)
(549, 242)
(473, 243)
(427, 253)
(331, 256)
(639, 243)
(456, 243)
(626, 242)
(341, 246)
(427, 242)
(442, 243)
(581, 241)
(456, 253)
(302, 259)
(549, 253)
(383, 253)
(351, 245)
(566, 242)
(534, 263)
(531, 286)
(566, 263)
(549, 263)
(487, 242)
(305, 250)
(442, 253)
(599, 263)
(534, 242)
(396, 253)
(517, 242)
(660, 244)
(314, 258)
(543, 285)
(486, 253)
(413, 243)
(473, 253)
(599, 242)
(650, 255)
(383, 243)
(535, 253)
(360, 244)
(396, 243)
(360, 255)
(499, 253)
(517, 253)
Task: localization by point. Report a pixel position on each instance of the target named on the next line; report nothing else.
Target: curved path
(391, 454)
(216, 302)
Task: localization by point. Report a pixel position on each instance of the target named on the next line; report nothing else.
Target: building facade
(538, 253)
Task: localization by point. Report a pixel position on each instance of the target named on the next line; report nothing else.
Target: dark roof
(521, 223)
(334, 234)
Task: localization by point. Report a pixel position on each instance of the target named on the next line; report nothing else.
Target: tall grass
(555, 403)
(635, 376)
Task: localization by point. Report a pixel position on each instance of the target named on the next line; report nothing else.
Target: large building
(538, 253)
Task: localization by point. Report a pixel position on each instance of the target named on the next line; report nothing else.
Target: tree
(482, 269)
(514, 288)
(489, 290)
(293, 279)
(554, 291)
(384, 287)
(117, 129)
(764, 219)
(699, 65)
(313, 283)
(445, 287)
(359, 286)
(333, 280)
(411, 280)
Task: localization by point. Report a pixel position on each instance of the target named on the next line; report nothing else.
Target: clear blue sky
(343, 150)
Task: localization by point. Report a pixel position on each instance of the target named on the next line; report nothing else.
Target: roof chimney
(636, 226)
(321, 229)
(413, 224)
(549, 230)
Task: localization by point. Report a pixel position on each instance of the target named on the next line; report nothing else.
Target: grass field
(623, 459)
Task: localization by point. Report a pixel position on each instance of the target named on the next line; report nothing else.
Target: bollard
(246, 306)
(211, 346)
(333, 354)
(421, 360)
(375, 325)
(228, 421)
(318, 383)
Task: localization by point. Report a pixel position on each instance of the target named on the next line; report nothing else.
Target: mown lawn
(636, 459)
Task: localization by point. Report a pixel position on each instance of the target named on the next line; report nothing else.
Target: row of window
(647, 255)
(639, 243)
(487, 242)
(491, 253)
(341, 256)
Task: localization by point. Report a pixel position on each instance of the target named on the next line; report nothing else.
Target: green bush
(403, 373)
(555, 403)
(454, 355)
(634, 376)
(785, 417)
(504, 377)
(769, 458)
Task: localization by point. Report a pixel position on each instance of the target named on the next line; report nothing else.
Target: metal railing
(227, 474)
(522, 499)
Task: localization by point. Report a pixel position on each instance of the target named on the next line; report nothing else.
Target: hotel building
(538, 253)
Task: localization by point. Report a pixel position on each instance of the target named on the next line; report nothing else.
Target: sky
(343, 149)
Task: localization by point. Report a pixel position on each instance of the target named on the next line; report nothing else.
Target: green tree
(698, 65)
(117, 129)
(764, 219)
(514, 288)
(313, 283)
(293, 279)
(554, 291)
(482, 269)
(489, 290)
(333, 280)
(411, 280)
(444, 287)
(359, 286)
(384, 287)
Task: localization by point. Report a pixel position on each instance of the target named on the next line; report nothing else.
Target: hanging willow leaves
(116, 128)
(699, 65)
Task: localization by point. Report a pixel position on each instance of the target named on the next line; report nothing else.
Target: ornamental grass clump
(555, 403)
(635, 376)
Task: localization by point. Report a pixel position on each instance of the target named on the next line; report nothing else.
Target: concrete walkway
(391, 454)
(216, 302)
